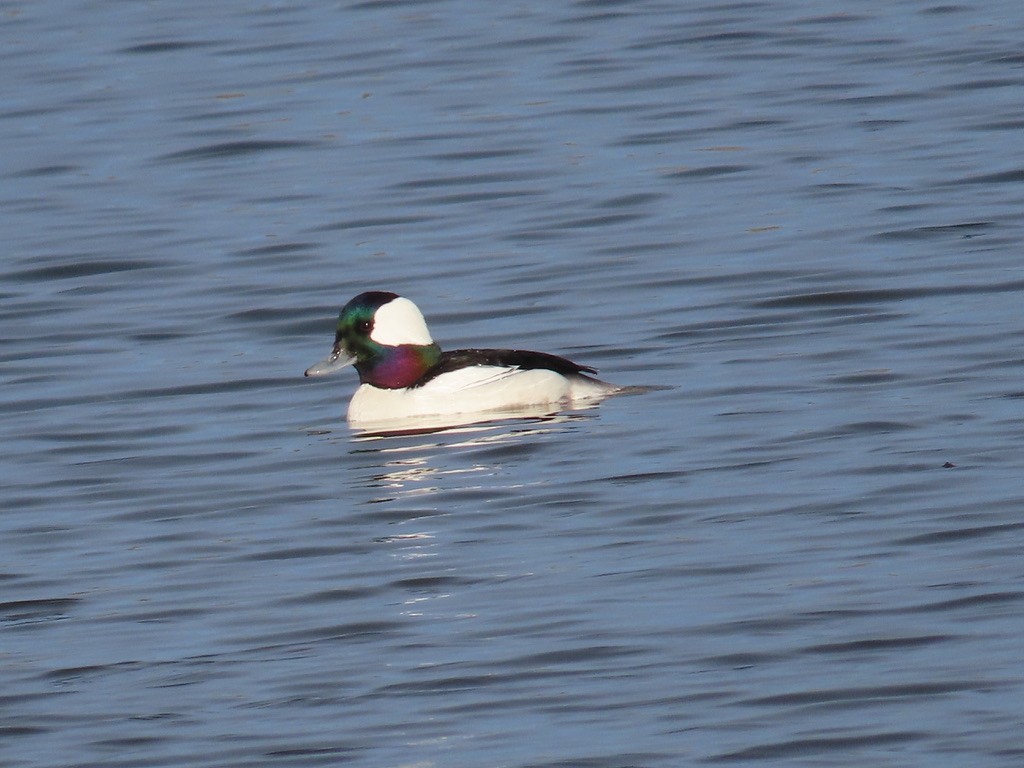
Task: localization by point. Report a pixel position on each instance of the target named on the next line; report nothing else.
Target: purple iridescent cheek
(400, 367)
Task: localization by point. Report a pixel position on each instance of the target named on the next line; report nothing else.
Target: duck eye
(363, 326)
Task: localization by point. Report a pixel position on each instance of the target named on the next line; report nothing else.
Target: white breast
(476, 389)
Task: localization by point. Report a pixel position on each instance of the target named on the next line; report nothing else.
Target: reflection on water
(409, 461)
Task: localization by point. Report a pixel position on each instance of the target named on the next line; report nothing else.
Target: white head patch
(400, 322)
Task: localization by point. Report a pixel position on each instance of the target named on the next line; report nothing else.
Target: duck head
(385, 337)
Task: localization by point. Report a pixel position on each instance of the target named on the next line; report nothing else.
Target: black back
(511, 358)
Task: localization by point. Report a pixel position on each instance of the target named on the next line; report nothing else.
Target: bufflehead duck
(403, 373)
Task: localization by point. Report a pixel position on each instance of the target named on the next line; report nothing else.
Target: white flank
(466, 378)
(400, 322)
(476, 389)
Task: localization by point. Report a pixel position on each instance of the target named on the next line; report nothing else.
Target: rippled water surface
(801, 223)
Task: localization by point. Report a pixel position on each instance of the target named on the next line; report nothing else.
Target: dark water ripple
(800, 224)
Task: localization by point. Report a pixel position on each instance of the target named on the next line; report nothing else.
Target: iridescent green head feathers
(387, 339)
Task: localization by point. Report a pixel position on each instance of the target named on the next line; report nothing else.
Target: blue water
(800, 223)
